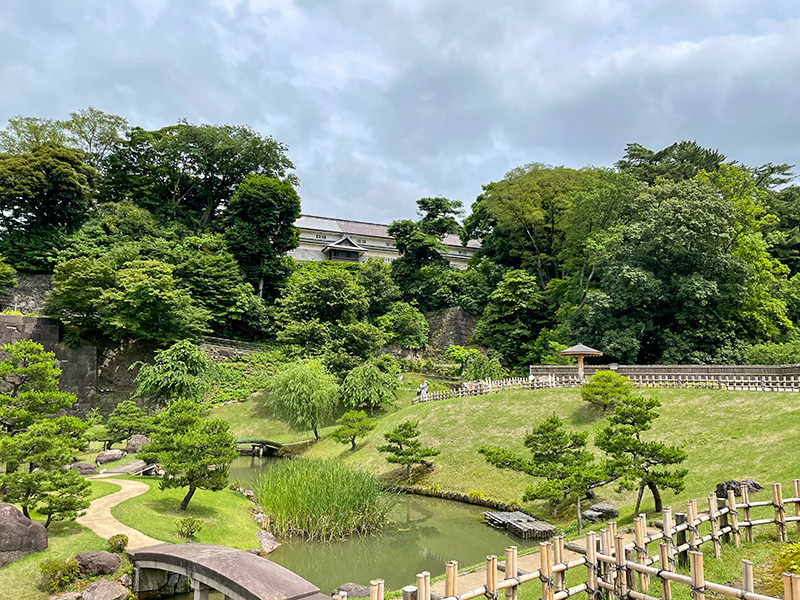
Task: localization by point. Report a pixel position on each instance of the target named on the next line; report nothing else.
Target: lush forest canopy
(680, 255)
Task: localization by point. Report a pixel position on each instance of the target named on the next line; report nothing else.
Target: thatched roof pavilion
(580, 351)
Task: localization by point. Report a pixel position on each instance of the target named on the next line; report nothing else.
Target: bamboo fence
(620, 571)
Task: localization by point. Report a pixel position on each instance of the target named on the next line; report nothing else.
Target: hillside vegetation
(727, 435)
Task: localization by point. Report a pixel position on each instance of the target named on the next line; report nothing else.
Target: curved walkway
(98, 516)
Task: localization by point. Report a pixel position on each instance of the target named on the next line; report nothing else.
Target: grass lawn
(727, 435)
(66, 539)
(227, 515)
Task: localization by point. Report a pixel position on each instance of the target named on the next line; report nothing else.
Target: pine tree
(637, 462)
(404, 448)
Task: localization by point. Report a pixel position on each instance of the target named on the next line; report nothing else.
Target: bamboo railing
(623, 570)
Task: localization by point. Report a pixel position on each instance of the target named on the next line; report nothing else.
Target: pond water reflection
(423, 534)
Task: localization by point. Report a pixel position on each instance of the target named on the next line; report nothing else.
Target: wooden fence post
(747, 575)
(606, 573)
(511, 571)
(558, 557)
(669, 532)
(641, 550)
(621, 575)
(748, 529)
(787, 587)
(734, 515)
(796, 494)
(724, 521)
(410, 592)
(546, 566)
(491, 576)
(698, 578)
(630, 574)
(591, 566)
(665, 564)
(691, 519)
(450, 577)
(777, 502)
(376, 589)
(712, 517)
(680, 539)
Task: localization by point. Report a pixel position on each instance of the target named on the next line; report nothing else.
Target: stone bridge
(237, 574)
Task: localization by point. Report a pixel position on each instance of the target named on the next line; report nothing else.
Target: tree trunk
(25, 511)
(408, 472)
(580, 524)
(187, 498)
(47, 523)
(656, 496)
(353, 443)
(316, 434)
(638, 501)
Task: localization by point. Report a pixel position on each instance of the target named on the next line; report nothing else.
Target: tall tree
(677, 162)
(189, 172)
(259, 228)
(303, 396)
(95, 132)
(44, 194)
(636, 462)
(23, 134)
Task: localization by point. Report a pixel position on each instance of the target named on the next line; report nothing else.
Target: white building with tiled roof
(323, 238)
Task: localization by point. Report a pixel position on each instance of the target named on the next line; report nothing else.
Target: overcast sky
(382, 102)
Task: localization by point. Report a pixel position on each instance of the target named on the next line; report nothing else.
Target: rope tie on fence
(639, 548)
(698, 590)
(733, 511)
(547, 580)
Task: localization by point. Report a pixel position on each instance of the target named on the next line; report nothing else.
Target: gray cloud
(384, 102)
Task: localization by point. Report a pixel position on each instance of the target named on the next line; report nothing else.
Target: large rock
(601, 511)
(136, 443)
(98, 563)
(353, 590)
(19, 536)
(267, 541)
(84, 468)
(109, 455)
(736, 486)
(104, 589)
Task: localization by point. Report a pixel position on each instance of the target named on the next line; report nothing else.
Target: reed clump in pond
(321, 499)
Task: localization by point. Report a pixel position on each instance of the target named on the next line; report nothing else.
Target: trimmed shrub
(188, 526)
(57, 575)
(118, 542)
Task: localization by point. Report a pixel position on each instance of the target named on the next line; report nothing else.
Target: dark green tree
(558, 456)
(403, 447)
(187, 172)
(44, 194)
(637, 462)
(127, 419)
(404, 324)
(193, 451)
(353, 424)
(375, 276)
(259, 229)
(28, 386)
(678, 162)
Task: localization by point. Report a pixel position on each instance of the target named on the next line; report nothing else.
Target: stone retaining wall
(78, 365)
(29, 295)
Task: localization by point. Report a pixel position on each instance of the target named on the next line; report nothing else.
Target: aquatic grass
(321, 499)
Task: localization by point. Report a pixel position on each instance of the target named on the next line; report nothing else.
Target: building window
(390, 244)
(319, 236)
(462, 251)
(344, 255)
(361, 241)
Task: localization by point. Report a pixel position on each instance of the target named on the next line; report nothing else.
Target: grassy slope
(727, 435)
(227, 515)
(66, 539)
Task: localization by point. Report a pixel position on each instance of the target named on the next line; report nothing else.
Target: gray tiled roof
(302, 254)
(363, 228)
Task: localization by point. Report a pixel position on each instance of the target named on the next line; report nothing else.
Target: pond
(423, 535)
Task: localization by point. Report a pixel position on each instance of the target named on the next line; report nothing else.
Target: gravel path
(98, 516)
